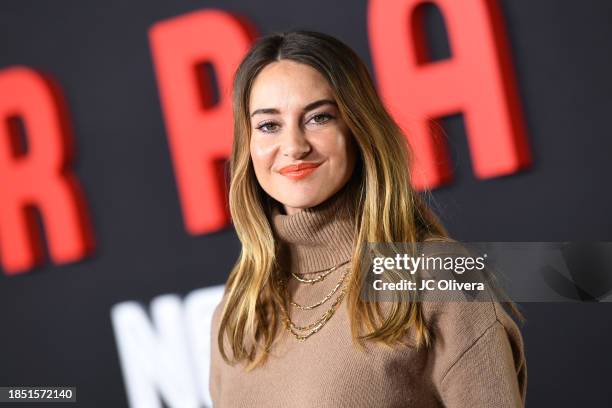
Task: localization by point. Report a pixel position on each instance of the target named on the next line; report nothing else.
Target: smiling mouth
(299, 171)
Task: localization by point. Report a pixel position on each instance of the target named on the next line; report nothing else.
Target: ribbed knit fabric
(306, 236)
(477, 358)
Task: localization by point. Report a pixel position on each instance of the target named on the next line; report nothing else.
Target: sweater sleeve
(487, 374)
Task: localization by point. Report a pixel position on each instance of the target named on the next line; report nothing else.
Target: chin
(301, 196)
(301, 203)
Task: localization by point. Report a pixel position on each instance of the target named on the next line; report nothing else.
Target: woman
(318, 168)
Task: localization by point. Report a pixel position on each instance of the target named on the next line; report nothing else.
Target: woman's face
(302, 150)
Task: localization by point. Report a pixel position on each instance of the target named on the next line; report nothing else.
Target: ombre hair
(387, 207)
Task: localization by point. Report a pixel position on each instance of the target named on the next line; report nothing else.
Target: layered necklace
(303, 332)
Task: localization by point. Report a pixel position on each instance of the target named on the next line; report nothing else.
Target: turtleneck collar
(319, 237)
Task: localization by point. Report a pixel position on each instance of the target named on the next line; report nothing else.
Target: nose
(294, 144)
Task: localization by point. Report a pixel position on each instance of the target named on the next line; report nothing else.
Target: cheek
(337, 146)
(261, 154)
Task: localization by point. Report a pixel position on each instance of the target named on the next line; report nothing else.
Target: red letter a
(477, 81)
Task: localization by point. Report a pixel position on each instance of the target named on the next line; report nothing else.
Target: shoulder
(217, 313)
(478, 356)
(217, 364)
(216, 359)
(457, 327)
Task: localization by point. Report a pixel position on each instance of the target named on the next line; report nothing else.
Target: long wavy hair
(387, 207)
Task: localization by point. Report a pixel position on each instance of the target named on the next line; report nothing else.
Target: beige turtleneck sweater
(477, 359)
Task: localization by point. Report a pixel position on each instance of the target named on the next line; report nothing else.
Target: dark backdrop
(55, 326)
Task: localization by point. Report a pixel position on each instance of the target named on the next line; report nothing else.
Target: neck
(291, 210)
(317, 238)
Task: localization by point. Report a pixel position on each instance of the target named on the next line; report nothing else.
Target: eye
(321, 118)
(268, 127)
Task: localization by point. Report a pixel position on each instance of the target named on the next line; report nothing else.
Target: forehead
(288, 84)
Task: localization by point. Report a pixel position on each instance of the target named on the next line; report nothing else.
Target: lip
(298, 171)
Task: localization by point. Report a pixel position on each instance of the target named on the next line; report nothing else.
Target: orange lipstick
(299, 171)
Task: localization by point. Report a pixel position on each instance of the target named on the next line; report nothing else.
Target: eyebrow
(309, 107)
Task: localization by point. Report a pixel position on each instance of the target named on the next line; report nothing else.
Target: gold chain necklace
(326, 298)
(320, 277)
(314, 327)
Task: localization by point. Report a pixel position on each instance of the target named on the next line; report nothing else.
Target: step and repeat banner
(115, 124)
